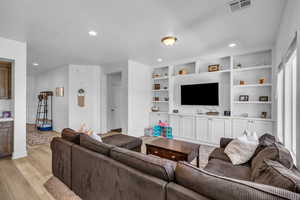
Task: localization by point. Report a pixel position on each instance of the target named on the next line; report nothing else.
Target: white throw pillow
(240, 150)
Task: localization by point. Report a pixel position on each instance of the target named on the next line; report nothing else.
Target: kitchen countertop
(6, 119)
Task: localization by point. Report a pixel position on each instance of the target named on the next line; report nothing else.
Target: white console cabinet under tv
(240, 77)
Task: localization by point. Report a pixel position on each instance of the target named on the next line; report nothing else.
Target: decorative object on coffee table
(213, 68)
(174, 150)
(263, 98)
(243, 98)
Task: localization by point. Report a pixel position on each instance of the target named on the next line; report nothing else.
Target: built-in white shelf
(253, 85)
(160, 112)
(161, 78)
(253, 102)
(203, 73)
(162, 90)
(253, 68)
(160, 101)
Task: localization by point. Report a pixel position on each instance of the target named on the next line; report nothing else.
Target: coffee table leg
(198, 161)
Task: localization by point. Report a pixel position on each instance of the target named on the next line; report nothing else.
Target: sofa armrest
(224, 142)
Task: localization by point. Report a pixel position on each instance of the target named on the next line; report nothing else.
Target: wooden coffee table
(174, 150)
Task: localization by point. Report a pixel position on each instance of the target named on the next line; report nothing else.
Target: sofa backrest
(97, 176)
(94, 145)
(220, 188)
(152, 165)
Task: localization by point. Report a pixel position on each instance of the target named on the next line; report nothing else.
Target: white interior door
(115, 106)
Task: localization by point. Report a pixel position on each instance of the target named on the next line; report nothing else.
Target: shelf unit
(248, 67)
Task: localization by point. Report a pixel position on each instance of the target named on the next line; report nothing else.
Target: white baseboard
(17, 155)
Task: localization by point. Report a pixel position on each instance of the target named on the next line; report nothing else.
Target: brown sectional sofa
(95, 170)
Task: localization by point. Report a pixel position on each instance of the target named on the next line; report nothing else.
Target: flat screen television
(206, 94)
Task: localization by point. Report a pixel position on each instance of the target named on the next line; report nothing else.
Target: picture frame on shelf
(213, 68)
(263, 98)
(244, 98)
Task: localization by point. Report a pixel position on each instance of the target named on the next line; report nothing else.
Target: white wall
(124, 104)
(139, 93)
(16, 51)
(31, 99)
(87, 78)
(48, 81)
(289, 25)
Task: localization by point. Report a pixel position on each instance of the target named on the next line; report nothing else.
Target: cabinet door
(5, 79)
(217, 130)
(187, 127)
(262, 127)
(202, 131)
(5, 142)
(175, 124)
(238, 127)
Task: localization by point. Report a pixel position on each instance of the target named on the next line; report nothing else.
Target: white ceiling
(56, 31)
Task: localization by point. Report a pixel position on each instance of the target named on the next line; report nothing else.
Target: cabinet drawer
(163, 153)
(6, 124)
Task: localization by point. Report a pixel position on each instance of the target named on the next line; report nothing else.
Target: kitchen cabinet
(202, 132)
(258, 126)
(175, 124)
(6, 138)
(5, 80)
(187, 127)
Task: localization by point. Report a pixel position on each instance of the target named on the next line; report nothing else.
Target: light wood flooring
(23, 179)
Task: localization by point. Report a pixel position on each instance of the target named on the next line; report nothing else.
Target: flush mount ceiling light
(93, 33)
(232, 45)
(159, 59)
(35, 64)
(169, 40)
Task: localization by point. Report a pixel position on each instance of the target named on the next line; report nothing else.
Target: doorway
(114, 83)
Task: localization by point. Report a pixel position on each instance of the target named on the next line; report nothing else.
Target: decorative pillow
(277, 175)
(95, 137)
(276, 152)
(240, 150)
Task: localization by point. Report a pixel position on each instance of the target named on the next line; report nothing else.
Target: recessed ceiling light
(159, 59)
(232, 45)
(169, 40)
(93, 33)
(35, 64)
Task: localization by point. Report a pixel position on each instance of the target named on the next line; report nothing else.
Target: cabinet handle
(156, 152)
(173, 157)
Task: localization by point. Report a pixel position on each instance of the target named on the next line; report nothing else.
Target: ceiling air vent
(239, 4)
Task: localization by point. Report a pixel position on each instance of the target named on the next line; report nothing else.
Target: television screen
(206, 94)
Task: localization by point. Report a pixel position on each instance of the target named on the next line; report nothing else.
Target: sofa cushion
(94, 145)
(219, 188)
(218, 153)
(241, 150)
(277, 175)
(227, 169)
(71, 135)
(276, 152)
(124, 141)
(158, 167)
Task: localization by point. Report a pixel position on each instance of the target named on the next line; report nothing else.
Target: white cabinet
(202, 129)
(260, 127)
(238, 127)
(187, 127)
(175, 124)
(211, 129)
(217, 127)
